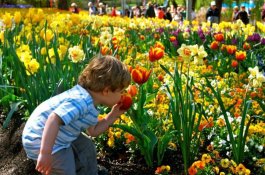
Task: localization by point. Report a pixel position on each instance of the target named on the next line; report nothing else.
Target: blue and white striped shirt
(76, 109)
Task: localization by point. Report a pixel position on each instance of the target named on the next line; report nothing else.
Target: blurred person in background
(243, 15)
(213, 13)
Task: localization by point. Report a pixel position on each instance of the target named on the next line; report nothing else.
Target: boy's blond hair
(105, 71)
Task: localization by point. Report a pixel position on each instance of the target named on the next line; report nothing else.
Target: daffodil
(76, 54)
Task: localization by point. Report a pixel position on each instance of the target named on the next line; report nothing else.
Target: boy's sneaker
(102, 170)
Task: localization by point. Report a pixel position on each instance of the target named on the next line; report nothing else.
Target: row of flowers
(194, 86)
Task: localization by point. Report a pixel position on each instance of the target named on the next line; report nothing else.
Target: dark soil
(13, 160)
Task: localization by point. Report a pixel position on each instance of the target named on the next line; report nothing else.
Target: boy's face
(112, 98)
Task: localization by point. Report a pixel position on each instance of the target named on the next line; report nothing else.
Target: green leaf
(14, 108)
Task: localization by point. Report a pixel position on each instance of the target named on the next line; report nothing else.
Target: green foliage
(184, 109)
(238, 143)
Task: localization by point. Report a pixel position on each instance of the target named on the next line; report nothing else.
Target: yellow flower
(206, 158)
(46, 35)
(32, 66)
(257, 77)
(225, 163)
(240, 169)
(17, 17)
(118, 134)
(2, 36)
(111, 142)
(7, 19)
(222, 173)
(51, 58)
(76, 54)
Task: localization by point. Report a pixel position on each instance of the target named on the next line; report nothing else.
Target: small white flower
(246, 148)
(260, 148)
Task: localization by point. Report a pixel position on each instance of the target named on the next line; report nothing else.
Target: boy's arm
(104, 124)
(48, 139)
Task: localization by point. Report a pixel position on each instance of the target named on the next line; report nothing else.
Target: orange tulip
(192, 170)
(132, 90)
(231, 49)
(140, 75)
(125, 101)
(105, 50)
(160, 77)
(219, 37)
(142, 37)
(246, 46)
(155, 53)
(160, 45)
(172, 38)
(214, 45)
(234, 63)
(241, 55)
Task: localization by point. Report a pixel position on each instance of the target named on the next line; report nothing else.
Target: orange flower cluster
(206, 124)
(115, 42)
(129, 138)
(162, 169)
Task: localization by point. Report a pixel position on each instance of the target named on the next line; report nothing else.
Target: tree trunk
(219, 6)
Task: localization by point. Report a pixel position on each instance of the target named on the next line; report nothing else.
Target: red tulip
(125, 101)
(155, 53)
(240, 55)
(105, 50)
(140, 75)
(214, 45)
(246, 46)
(219, 37)
(234, 63)
(231, 49)
(132, 90)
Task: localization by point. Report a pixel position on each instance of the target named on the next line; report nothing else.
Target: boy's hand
(44, 163)
(116, 110)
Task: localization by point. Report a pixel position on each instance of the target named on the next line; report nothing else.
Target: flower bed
(197, 91)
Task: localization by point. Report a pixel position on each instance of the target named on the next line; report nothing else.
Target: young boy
(52, 135)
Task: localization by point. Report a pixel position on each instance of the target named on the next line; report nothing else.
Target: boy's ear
(105, 91)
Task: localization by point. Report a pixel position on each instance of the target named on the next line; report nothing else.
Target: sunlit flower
(76, 54)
